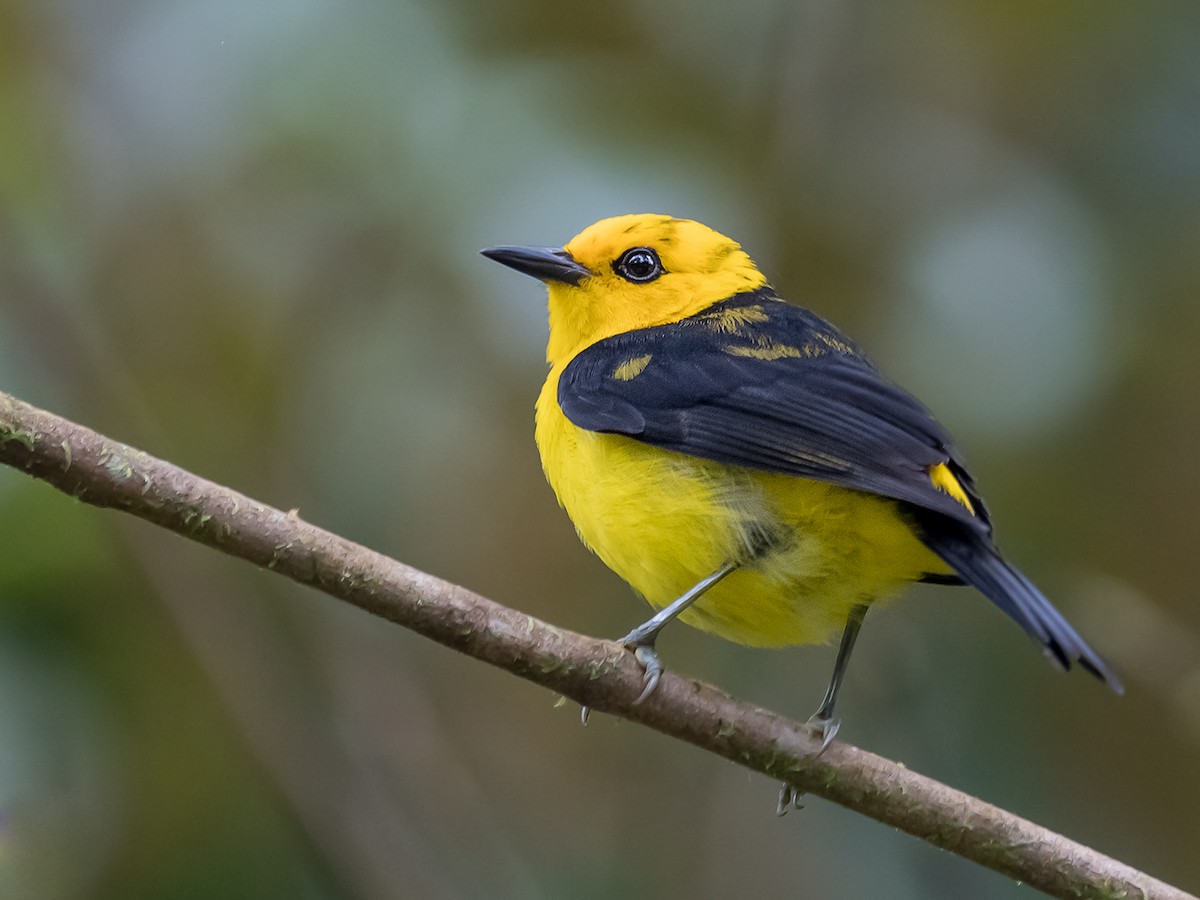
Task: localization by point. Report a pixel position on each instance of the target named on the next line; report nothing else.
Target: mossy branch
(597, 673)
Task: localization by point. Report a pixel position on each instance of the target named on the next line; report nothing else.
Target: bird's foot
(641, 642)
(823, 727)
(642, 645)
(789, 798)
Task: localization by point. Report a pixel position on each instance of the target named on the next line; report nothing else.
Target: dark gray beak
(543, 263)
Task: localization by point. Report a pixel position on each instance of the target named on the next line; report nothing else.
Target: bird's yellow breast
(663, 521)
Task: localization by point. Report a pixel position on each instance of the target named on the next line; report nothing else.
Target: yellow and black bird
(739, 462)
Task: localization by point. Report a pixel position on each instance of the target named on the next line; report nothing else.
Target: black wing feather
(982, 565)
(756, 382)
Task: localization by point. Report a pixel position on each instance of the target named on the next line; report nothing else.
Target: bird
(740, 463)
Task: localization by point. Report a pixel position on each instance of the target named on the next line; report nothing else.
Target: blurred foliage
(243, 237)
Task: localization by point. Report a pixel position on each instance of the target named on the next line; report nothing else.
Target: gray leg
(646, 633)
(641, 639)
(823, 723)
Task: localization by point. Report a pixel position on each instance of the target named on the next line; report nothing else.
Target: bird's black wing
(753, 381)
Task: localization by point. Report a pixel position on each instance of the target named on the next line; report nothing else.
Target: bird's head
(631, 272)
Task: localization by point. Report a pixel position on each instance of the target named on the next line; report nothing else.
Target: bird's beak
(543, 263)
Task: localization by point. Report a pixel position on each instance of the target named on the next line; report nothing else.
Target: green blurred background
(243, 236)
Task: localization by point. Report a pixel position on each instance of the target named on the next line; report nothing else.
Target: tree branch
(597, 673)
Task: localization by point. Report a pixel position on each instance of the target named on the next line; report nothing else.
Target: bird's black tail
(980, 565)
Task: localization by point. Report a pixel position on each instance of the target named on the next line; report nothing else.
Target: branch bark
(597, 673)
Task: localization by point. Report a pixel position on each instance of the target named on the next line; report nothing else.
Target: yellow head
(631, 272)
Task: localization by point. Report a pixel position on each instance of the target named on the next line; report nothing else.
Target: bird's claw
(652, 669)
(646, 655)
(641, 642)
(824, 728)
(789, 798)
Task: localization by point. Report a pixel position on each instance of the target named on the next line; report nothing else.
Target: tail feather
(981, 566)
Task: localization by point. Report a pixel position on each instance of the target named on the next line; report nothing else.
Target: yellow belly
(663, 521)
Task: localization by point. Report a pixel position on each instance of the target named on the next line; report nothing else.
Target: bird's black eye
(639, 265)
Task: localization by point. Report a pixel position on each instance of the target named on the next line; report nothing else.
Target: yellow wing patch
(631, 368)
(943, 479)
(731, 320)
(768, 349)
(830, 341)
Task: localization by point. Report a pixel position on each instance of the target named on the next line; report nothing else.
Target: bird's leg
(823, 723)
(641, 639)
